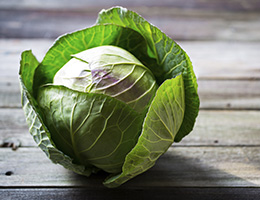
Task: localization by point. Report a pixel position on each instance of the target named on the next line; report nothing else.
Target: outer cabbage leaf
(38, 130)
(92, 128)
(170, 59)
(161, 124)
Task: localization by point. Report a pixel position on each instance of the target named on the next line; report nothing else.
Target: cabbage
(111, 97)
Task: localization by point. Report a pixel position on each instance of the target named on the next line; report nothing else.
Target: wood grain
(166, 193)
(224, 60)
(179, 24)
(231, 5)
(229, 94)
(179, 167)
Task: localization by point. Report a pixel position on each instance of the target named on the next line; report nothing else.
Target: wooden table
(220, 159)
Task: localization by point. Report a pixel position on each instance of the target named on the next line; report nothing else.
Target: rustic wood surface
(187, 25)
(179, 167)
(220, 159)
(182, 20)
(231, 5)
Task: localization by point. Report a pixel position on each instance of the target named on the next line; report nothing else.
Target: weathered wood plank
(179, 167)
(10, 95)
(177, 193)
(232, 5)
(229, 94)
(177, 23)
(225, 128)
(213, 128)
(224, 60)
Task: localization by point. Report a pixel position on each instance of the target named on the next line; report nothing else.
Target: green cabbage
(112, 97)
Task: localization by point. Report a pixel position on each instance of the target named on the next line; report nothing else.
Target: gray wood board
(179, 167)
(176, 193)
(212, 128)
(179, 24)
(231, 5)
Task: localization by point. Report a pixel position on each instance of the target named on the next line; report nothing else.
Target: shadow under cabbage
(188, 167)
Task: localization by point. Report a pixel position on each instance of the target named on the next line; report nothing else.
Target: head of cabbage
(112, 97)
